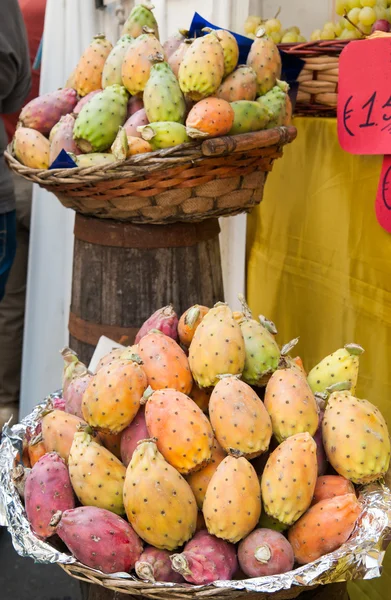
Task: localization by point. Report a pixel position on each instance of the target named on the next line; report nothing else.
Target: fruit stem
(269, 325)
(192, 315)
(246, 309)
(277, 13)
(345, 16)
(145, 571)
(158, 57)
(148, 30)
(146, 395)
(179, 564)
(289, 346)
(263, 554)
(56, 518)
(340, 386)
(354, 349)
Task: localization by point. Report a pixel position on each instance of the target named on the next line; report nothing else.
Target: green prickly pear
(97, 124)
(265, 59)
(342, 365)
(113, 66)
(275, 101)
(164, 134)
(93, 159)
(249, 116)
(163, 99)
(141, 16)
(202, 68)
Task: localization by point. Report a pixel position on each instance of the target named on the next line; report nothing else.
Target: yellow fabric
(319, 265)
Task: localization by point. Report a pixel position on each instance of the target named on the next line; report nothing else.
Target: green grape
(315, 35)
(301, 39)
(290, 38)
(327, 34)
(380, 12)
(370, 3)
(340, 7)
(338, 29)
(349, 35)
(367, 16)
(382, 3)
(276, 37)
(353, 4)
(366, 29)
(354, 15)
(272, 25)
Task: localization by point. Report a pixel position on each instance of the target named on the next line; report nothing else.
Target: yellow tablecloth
(319, 265)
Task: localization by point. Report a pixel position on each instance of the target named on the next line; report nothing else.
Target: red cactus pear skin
(136, 120)
(189, 322)
(224, 514)
(58, 429)
(330, 486)
(356, 438)
(202, 68)
(339, 366)
(200, 480)
(324, 527)
(217, 347)
(265, 552)
(239, 418)
(289, 478)
(88, 73)
(159, 502)
(63, 138)
(130, 436)
(112, 398)
(31, 148)
(44, 112)
(112, 69)
(184, 434)
(164, 363)
(136, 66)
(291, 404)
(174, 41)
(97, 476)
(47, 490)
(155, 565)
(99, 539)
(83, 101)
(58, 403)
(140, 16)
(265, 59)
(206, 559)
(241, 84)
(135, 103)
(165, 320)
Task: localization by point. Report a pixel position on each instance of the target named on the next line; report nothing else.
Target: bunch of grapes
(358, 19)
(273, 28)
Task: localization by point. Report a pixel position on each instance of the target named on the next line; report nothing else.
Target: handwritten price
(366, 116)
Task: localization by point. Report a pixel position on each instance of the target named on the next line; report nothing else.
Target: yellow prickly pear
(88, 73)
(159, 502)
(31, 148)
(342, 365)
(200, 480)
(230, 48)
(202, 68)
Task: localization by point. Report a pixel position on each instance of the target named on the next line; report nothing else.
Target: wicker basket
(217, 177)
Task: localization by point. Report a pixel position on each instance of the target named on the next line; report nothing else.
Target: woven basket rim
(317, 47)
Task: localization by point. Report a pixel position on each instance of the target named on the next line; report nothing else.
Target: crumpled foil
(359, 558)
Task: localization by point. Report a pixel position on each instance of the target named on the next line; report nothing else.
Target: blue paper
(63, 161)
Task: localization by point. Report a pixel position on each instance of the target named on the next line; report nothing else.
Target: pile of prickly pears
(141, 95)
(167, 462)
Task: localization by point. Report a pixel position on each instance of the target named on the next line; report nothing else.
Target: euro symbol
(346, 115)
(385, 188)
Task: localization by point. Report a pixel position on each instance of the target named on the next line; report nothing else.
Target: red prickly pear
(206, 559)
(47, 490)
(265, 552)
(44, 112)
(58, 403)
(155, 565)
(165, 320)
(136, 120)
(84, 101)
(330, 486)
(63, 138)
(98, 538)
(130, 437)
(135, 103)
(189, 322)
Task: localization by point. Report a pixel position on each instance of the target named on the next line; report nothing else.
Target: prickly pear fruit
(291, 404)
(31, 148)
(63, 138)
(116, 354)
(159, 502)
(165, 320)
(83, 101)
(97, 123)
(155, 565)
(47, 490)
(136, 66)
(320, 453)
(275, 102)
(224, 514)
(230, 49)
(202, 68)
(93, 160)
(98, 539)
(36, 449)
(355, 438)
(199, 480)
(184, 435)
(112, 398)
(112, 71)
(209, 117)
(163, 99)
(248, 116)
(97, 476)
(137, 145)
(217, 347)
(136, 120)
(265, 552)
(112, 441)
(44, 112)
(241, 84)
(289, 478)
(324, 528)
(164, 362)
(175, 59)
(239, 418)
(132, 435)
(74, 382)
(265, 59)
(135, 103)
(267, 522)
(342, 365)
(189, 322)
(120, 146)
(330, 486)
(201, 397)
(164, 134)
(140, 16)
(173, 42)
(288, 111)
(205, 559)
(88, 73)
(58, 429)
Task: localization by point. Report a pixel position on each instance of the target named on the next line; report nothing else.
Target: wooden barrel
(123, 272)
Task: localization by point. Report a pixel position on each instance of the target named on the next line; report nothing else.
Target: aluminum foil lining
(359, 558)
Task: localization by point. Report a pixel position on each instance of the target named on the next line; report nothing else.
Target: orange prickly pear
(239, 418)
(209, 117)
(88, 73)
(202, 68)
(136, 66)
(217, 347)
(36, 449)
(184, 435)
(58, 429)
(291, 404)
(241, 84)
(340, 366)
(159, 502)
(165, 363)
(112, 398)
(330, 486)
(288, 481)
(189, 322)
(117, 354)
(199, 480)
(112, 442)
(201, 397)
(231, 516)
(324, 528)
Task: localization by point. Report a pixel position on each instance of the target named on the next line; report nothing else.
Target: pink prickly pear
(155, 565)
(135, 103)
(56, 404)
(206, 559)
(137, 119)
(44, 112)
(98, 538)
(47, 490)
(63, 138)
(75, 382)
(85, 101)
(176, 58)
(131, 436)
(265, 552)
(175, 41)
(165, 320)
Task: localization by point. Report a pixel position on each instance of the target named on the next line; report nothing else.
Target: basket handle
(248, 141)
